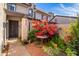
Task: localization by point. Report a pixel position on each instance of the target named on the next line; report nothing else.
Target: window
(49, 18)
(38, 16)
(30, 12)
(11, 7)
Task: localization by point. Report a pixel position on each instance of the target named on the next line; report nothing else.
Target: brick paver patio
(35, 50)
(17, 49)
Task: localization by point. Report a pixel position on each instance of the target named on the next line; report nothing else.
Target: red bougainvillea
(44, 28)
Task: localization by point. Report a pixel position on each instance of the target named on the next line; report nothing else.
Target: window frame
(11, 5)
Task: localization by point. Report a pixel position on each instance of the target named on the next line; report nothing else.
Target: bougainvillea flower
(44, 28)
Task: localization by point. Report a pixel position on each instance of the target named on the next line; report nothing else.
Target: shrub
(69, 52)
(31, 35)
(73, 44)
(56, 39)
(69, 45)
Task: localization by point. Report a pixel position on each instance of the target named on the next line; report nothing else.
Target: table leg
(41, 41)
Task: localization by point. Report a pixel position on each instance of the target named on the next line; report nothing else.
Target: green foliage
(56, 51)
(70, 48)
(75, 29)
(31, 35)
(42, 25)
(74, 44)
(60, 45)
(49, 50)
(56, 39)
(69, 52)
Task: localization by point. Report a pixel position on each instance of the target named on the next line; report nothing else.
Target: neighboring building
(63, 20)
(41, 15)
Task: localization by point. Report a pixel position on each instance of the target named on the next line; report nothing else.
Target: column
(24, 31)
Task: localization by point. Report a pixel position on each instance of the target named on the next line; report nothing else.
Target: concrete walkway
(17, 49)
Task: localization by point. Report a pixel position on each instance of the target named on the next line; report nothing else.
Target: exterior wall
(63, 20)
(30, 25)
(2, 19)
(41, 16)
(22, 9)
(13, 18)
(24, 28)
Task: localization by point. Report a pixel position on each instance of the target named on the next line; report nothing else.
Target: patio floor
(17, 49)
(35, 50)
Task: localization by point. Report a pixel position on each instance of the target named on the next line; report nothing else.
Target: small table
(42, 38)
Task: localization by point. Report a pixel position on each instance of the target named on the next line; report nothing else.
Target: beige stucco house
(15, 20)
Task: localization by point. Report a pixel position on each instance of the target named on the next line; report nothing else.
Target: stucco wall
(19, 8)
(22, 9)
(24, 29)
(2, 19)
(63, 20)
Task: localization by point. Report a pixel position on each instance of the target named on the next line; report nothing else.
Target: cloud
(74, 9)
(69, 9)
(62, 10)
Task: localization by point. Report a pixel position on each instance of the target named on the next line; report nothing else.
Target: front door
(13, 29)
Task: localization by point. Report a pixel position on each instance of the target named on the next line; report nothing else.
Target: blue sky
(66, 9)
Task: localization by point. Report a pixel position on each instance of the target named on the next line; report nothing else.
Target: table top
(42, 37)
